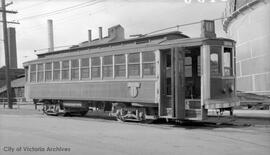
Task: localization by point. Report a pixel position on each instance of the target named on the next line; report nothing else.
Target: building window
(33, 72)
(48, 71)
(120, 65)
(40, 72)
(148, 63)
(65, 70)
(75, 69)
(107, 68)
(85, 68)
(56, 70)
(95, 67)
(134, 64)
(188, 66)
(228, 62)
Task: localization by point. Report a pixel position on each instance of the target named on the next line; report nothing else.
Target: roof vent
(208, 29)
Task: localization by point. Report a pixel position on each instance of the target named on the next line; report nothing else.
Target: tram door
(172, 83)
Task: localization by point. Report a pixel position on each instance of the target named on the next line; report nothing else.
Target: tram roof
(164, 39)
(144, 39)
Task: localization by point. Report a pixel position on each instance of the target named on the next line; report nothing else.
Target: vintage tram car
(166, 75)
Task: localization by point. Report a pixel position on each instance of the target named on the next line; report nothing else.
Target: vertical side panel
(205, 77)
(179, 83)
(157, 83)
(162, 80)
(173, 71)
(234, 68)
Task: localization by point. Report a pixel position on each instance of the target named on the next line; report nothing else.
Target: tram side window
(95, 67)
(33, 73)
(188, 66)
(65, 70)
(56, 70)
(227, 61)
(120, 65)
(85, 68)
(40, 72)
(148, 62)
(215, 60)
(134, 64)
(48, 71)
(26, 73)
(107, 68)
(75, 69)
(199, 66)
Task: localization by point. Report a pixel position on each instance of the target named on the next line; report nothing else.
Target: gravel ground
(27, 131)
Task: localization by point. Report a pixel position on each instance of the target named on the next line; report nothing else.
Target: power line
(33, 5)
(57, 47)
(61, 20)
(177, 26)
(92, 2)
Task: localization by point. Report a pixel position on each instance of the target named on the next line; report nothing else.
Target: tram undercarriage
(56, 107)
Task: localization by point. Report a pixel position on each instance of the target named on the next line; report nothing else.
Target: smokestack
(12, 48)
(89, 36)
(100, 33)
(50, 35)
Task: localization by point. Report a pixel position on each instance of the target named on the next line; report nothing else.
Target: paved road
(22, 129)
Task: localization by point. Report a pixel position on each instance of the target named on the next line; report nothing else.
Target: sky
(73, 18)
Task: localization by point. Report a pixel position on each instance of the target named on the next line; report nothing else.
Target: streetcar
(166, 75)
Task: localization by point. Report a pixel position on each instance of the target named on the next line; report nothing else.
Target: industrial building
(16, 74)
(248, 23)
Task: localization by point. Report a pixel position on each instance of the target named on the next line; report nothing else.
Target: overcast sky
(72, 19)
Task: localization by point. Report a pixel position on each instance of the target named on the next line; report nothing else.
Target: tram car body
(166, 75)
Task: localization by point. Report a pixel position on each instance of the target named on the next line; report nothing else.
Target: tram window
(33, 72)
(56, 70)
(65, 70)
(95, 67)
(40, 72)
(169, 86)
(75, 69)
(215, 60)
(214, 64)
(199, 65)
(48, 71)
(168, 60)
(227, 59)
(107, 68)
(134, 64)
(148, 63)
(85, 68)
(188, 66)
(120, 65)
(26, 73)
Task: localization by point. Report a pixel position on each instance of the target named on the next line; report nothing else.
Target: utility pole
(8, 84)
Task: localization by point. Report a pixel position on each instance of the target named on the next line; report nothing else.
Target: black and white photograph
(135, 77)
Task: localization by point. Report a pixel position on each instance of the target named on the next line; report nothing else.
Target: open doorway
(180, 82)
(192, 73)
(192, 67)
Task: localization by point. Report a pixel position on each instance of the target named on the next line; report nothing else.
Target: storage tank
(248, 23)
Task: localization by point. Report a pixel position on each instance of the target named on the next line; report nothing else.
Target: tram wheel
(83, 113)
(67, 114)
